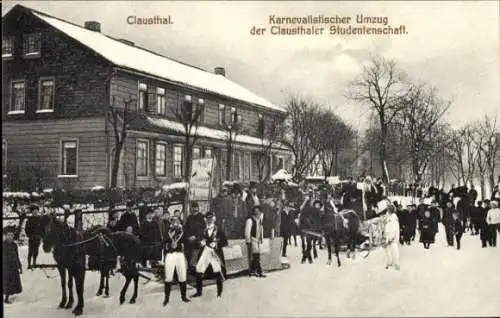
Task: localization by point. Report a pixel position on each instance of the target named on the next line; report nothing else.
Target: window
(7, 46)
(200, 107)
(141, 161)
(69, 155)
(143, 97)
(178, 161)
(279, 162)
(161, 159)
(196, 153)
(261, 125)
(246, 166)
(234, 115)
(222, 114)
(160, 101)
(46, 91)
(18, 97)
(207, 153)
(32, 44)
(236, 165)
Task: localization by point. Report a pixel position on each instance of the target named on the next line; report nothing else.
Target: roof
(139, 59)
(206, 132)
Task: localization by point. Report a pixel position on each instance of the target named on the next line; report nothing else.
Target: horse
(338, 228)
(67, 248)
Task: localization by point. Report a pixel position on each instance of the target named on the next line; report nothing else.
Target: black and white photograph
(250, 159)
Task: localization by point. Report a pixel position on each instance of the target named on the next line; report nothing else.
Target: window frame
(146, 141)
(164, 144)
(38, 37)
(278, 157)
(221, 111)
(174, 162)
(11, 40)
(205, 152)
(46, 110)
(161, 109)
(12, 111)
(63, 174)
(142, 88)
(200, 102)
(199, 153)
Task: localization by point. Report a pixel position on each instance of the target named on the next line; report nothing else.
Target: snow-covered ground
(437, 282)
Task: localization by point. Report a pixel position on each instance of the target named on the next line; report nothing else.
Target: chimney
(220, 71)
(93, 26)
(126, 42)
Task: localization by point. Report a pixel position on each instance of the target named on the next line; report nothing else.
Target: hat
(34, 207)
(209, 215)
(130, 203)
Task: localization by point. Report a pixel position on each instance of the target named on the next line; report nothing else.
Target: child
(11, 265)
(426, 229)
(458, 229)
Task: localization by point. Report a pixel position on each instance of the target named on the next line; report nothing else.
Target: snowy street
(437, 282)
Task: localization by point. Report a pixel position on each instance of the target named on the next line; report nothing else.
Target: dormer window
(7, 47)
(32, 44)
(143, 97)
(222, 114)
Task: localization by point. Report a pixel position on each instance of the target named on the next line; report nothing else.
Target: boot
(199, 286)
(219, 285)
(168, 287)
(183, 287)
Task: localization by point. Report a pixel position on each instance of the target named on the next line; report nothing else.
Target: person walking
(493, 220)
(193, 229)
(483, 225)
(458, 229)
(128, 221)
(286, 225)
(150, 236)
(426, 230)
(392, 238)
(448, 222)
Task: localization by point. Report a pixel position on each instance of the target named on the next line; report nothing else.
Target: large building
(59, 80)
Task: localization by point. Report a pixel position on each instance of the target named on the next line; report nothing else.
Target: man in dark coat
(128, 221)
(34, 233)
(484, 234)
(150, 236)
(11, 265)
(211, 260)
(458, 229)
(193, 230)
(286, 225)
(448, 222)
(421, 208)
(310, 219)
(252, 199)
(410, 223)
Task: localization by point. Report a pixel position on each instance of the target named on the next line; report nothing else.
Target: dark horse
(339, 228)
(70, 246)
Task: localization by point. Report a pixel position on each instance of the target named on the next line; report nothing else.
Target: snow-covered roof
(207, 132)
(136, 58)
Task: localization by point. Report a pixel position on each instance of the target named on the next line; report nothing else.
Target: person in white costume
(175, 261)
(392, 238)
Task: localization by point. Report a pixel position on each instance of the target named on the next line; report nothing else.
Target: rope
(81, 242)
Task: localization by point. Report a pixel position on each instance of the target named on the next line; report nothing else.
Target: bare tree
(302, 133)
(337, 136)
(487, 140)
(421, 112)
(380, 87)
(232, 127)
(189, 114)
(269, 135)
(463, 154)
(120, 118)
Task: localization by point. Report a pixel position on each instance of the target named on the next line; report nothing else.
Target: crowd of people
(195, 245)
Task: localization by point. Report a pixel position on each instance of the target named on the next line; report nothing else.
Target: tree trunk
(116, 164)
(229, 157)
(383, 150)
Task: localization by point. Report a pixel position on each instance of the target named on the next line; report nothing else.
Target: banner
(201, 179)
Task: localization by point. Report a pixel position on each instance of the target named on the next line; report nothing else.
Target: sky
(453, 46)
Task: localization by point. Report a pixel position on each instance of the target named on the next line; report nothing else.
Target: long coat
(150, 236)
(11, 266)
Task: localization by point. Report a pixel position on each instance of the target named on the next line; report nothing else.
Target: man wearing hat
(193, 229)
(150, 236)
(254, 236)
(211, 261)
(128, 221)
(34, 233)
(448, 222)
(175, 261)
(411, 226)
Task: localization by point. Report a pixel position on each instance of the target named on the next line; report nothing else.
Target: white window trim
(211, 152)
(8, 55)
(148, 168)
(163, 143)
(161, 92)
(62, 141)
(141, 87)
(182, 160)
(15, 112)
(33, 54)
(200, 152)
(50, 110)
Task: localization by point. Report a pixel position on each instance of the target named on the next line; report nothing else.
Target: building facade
(61, 83)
